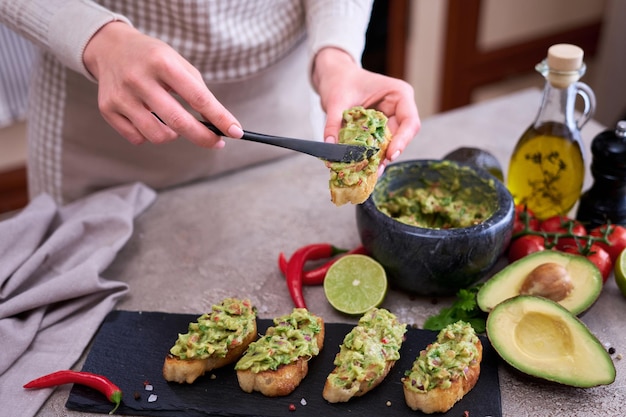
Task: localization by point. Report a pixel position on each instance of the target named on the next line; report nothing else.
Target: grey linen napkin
(53, 296)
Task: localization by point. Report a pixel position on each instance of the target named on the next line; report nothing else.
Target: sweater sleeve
(60, 27)
(337, 23)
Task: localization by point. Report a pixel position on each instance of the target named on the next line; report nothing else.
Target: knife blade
(333, 152)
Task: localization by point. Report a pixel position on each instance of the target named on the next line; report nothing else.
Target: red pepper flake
(292, 407)
(466, 413)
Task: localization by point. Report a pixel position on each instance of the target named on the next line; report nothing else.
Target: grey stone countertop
(202, 242)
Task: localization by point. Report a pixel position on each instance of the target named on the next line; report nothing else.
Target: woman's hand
(342, 84)
(137, 75)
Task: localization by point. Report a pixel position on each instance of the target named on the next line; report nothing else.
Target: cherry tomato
(565, 242)
(524, 246)
(598, 256)
(616, 237)
(523, 214)
(563, 224)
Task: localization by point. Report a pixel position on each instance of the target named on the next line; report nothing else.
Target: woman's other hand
(342, 84)
(137, 75)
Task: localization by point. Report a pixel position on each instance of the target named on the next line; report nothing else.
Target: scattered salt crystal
(152, 398)
(303, 401)
(148, 387)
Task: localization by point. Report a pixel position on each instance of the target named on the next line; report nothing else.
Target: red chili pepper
(295, 267)
(95, 381)
(316, 276)
(282, 263)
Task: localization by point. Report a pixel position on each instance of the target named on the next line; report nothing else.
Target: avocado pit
(550, 280)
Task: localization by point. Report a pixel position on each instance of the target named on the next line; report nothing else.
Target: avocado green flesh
(586, 279)
(541, 338)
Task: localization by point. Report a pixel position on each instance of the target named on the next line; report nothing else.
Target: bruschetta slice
(275, 364)
(353, 182)
(216, 339)
(445, 371)
(366, 356)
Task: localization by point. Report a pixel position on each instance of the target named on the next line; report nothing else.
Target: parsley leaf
(463, 308)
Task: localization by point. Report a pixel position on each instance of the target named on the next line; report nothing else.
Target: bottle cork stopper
(565, 57)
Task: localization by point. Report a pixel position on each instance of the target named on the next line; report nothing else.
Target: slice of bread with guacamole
(275, 364)
(353, 182)
(366, 356)
(445, 371)
(216, 339)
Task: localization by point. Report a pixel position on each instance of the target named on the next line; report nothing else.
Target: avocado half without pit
(541, 338)
(570, 280)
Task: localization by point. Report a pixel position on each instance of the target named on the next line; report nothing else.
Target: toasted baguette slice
(341, 394)
(359, 366)
(462, 379)
(225, 346)
(354, 182)
(286, 377)
(188, 370)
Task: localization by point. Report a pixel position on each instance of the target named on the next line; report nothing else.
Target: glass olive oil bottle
(547, 167)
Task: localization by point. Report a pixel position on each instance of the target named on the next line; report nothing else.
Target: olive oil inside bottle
(546, 170)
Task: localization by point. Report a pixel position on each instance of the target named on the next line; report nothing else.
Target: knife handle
(305, 146)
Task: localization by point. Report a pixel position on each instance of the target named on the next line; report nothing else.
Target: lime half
(355, 283)
(620, 271)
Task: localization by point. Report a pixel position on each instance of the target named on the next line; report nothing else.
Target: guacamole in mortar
(444, 203)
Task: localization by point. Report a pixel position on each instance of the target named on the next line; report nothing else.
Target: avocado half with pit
(571, 280)
(540, 338)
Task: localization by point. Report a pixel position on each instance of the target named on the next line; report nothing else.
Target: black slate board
(129, 349)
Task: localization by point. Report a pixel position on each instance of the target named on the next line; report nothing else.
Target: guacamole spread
(443, 204)
(376, 339)
(445, 360)
(293, 336)
(360, 127)
(225, 326)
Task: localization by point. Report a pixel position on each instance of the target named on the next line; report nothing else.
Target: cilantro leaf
(463, 308)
